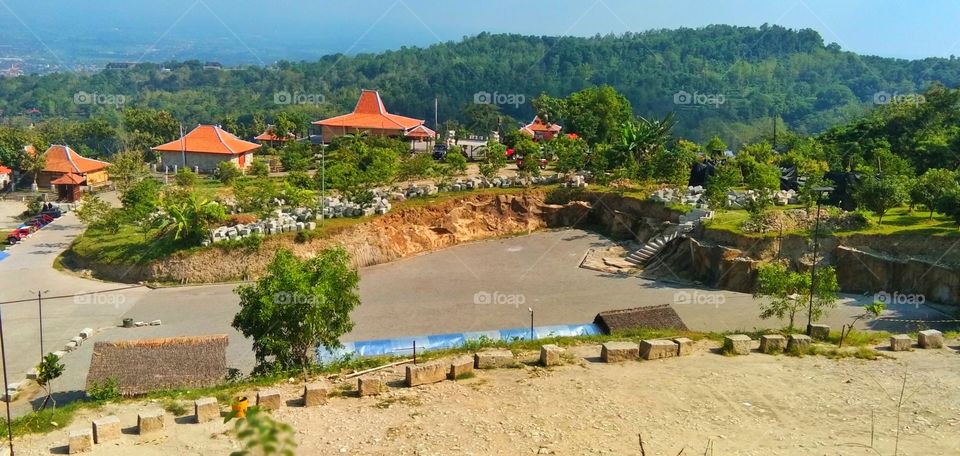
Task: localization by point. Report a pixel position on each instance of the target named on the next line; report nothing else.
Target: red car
(17, 235)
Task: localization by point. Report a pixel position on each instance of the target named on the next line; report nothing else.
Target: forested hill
(737, 78)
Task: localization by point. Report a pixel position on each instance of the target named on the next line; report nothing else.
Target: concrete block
(492, 359)
(86, 333)
(657, 349)
(772, 343)
(59, 354)
(32, 373)
(684, 346)
(930, 338)
(819, 332)
(615, 352)
(370, 386)
(206, 409)
(269, 399)
(799, 343)
(550, 355)
(106, 429)
(423, 374)
(460, 366)
(69, 346)
(737, 344)
(901, 342)
(150, 422)
(81, 440)
(77, 340)
(315, 394)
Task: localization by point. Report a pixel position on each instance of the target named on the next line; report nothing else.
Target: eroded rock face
(411, 231)
(688, 259)
(861, 271)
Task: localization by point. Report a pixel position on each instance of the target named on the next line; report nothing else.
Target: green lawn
(897, 222)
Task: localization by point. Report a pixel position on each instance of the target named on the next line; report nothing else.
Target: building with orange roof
(540, 130)
(421, 138)
(270, 137)
(62, 160)
(204, 148)
(6, 177)
(369, 116)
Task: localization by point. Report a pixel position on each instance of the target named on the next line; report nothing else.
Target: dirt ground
(748, 405)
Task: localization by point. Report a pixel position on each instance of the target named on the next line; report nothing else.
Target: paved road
(446, 291)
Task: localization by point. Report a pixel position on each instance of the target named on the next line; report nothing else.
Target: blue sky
(303, 29)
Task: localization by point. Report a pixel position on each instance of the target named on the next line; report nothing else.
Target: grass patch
(832, 352)
(175, 408)
(411, 401)
(44, 421)
(465, 376)
(897, 222)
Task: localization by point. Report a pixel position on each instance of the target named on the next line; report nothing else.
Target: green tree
(33, 165)
(529, 151)
(932, 186)
(127, 168)
(256, 195)
(297, 306)
(141, 200)
(456, 161)
(49, 369)
(718, 185)
(788, 292)
(228, 172)
(880, 195)
(259, 168)
(672, 166)
(596, 114)
(494, 159)
(296, 156)
(415, 166)
(186, 177)
(715, 148)
(949, 205)
(93, 210)
(569, 154)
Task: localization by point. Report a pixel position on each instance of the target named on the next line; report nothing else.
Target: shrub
(107, 391)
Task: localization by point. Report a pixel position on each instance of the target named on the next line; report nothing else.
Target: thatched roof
(142, 366)
(653, 317)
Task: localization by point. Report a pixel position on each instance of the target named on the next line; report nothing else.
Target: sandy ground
(10, 211)
(748, 405)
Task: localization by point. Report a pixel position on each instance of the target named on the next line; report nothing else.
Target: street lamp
(6, 388)
(821, 193)
(40, 315)
(530, 309)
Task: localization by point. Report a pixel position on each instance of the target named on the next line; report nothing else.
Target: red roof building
(6, 177)
(62, 160)
(204, 148)
(270, 137)
(369, 116)
(540, 130)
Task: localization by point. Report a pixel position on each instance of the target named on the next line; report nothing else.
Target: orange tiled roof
(539, 125)
(208, 139)
(69, 179)
(370, 113)
(271, 135)
(421, 132)
(63, 159)
(5, 170)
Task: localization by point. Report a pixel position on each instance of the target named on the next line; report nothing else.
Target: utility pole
(3, 356)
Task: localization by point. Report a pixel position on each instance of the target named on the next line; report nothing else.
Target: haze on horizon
(255, 32)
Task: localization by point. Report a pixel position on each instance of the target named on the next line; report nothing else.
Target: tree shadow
(58, 398)
(62, 449)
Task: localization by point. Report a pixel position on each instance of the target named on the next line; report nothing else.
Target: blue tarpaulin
(403, 346)
(3, 255)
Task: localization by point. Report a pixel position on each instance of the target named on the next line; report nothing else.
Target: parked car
(439, 152)
(17, 235)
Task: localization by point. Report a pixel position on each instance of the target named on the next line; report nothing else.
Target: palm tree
(186, 219)
(644, 137)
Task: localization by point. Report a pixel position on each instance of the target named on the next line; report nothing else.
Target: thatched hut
(142, 366)
(651, 317)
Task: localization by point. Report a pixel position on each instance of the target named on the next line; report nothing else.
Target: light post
(530, 309)
(821, 193)
(6, 391)
(40, 315)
